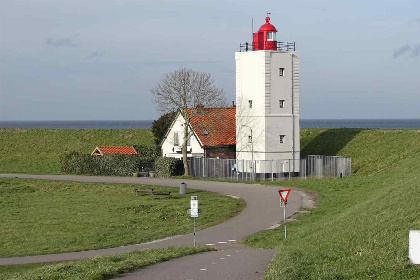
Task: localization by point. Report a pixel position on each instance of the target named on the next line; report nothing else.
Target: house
(213, 134)
(123, 150)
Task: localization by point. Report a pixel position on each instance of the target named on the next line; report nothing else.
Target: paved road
(234, 263)
(262, 211)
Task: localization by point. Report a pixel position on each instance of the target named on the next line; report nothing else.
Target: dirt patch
(308, 198)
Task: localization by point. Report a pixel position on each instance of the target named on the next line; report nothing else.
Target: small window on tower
(281, 72)
(281, 103)
(271, 36)
(250, 103)
(249, 139)
(282, 138)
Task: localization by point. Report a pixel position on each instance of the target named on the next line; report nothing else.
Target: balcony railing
(281, 46)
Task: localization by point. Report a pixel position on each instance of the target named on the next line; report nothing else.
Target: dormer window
(271, 36)
(204, 131)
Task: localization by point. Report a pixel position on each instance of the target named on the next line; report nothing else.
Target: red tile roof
(124, 150)
(219, 123)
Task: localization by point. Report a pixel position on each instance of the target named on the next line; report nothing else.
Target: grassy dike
(359, 228)
(38, 151)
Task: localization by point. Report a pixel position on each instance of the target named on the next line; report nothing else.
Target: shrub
(120, 165)
(166, 167)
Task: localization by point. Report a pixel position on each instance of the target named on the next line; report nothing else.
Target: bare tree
(184, 89)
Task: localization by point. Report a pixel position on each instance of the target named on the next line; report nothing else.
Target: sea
(126, 124)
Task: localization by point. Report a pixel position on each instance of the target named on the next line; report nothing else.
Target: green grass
(42, 217)
(38, 151)
(101, 267)
(371, 150)
(359, 228)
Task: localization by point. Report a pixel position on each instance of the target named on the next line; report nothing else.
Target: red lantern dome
(265, 38)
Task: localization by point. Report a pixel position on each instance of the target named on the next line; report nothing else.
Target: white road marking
(203, 269)
(222, 258)
(232, 240)
(222, 242)
(210, 244)
(213, 263)
(228, 255)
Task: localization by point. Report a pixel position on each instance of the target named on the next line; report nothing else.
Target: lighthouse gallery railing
(281, 46)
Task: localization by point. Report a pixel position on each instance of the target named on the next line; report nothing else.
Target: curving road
(261, 212)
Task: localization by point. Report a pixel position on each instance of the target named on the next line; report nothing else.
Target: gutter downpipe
(293, 115)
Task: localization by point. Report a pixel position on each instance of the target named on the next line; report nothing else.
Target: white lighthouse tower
(267, 98)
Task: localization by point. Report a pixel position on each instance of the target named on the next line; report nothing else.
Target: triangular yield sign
(284, 194)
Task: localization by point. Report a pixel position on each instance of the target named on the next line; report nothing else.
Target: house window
(249, 139)
(250, 103)
(281, 72)
(281, 103)
(176, 140)
(282, 138)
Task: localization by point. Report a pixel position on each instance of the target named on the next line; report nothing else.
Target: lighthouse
(267, 104)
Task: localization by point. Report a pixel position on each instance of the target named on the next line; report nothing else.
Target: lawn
(38, 151)
(359, 228)
(42, 217)
(100, 267)
(371, 150)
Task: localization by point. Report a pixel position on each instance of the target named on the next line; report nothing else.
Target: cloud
(93, 54)
(409, 50)
(416, 50)
(414, 21)
(401, 51)
(61, 42)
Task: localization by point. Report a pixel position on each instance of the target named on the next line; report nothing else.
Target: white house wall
(169, 149)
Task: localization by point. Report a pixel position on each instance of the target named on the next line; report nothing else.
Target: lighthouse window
(282, 138)
(281, 103)
(249, 139)
(250, 103)
(281, 72)
(271, 36)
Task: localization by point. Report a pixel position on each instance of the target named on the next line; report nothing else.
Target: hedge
(166, 167)
(119, 165)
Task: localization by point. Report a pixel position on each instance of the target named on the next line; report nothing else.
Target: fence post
(272, 171)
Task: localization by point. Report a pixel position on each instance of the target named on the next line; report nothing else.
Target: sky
(98, 59)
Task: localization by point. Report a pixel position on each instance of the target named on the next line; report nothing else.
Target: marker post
(284, 194)
(193, 211)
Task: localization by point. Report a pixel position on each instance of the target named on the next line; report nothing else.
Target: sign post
(284, 194)
(194, 212)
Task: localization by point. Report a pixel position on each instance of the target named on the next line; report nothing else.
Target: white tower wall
(258, 80)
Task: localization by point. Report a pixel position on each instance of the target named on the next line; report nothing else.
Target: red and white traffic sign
(284, 194)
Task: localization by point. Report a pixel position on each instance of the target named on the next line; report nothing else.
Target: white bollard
(414, 246)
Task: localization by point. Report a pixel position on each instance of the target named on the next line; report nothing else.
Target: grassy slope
(100, 267)
(371, 150)
(41, 216)
(359, 229)
(39, 150)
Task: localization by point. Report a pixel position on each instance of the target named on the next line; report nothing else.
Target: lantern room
(265, 38)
